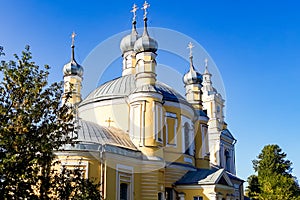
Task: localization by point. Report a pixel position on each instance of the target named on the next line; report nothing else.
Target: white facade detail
(221, 141)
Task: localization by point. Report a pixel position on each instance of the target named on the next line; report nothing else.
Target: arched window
(189, 144)
(123, 191)
(227, 159)
(187, 138)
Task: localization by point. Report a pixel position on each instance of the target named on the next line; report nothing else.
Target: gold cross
(73, 37)
(191, 46)
(145, 7)
(134, 9)
(109, 121)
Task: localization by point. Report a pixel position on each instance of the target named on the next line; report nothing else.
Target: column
(181, 196)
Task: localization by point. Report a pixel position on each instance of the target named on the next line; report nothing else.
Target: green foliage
(274, 179)
(253, 186)
(33, 123)
(66, 189)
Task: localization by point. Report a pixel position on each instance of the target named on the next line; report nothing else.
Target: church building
(142, 140)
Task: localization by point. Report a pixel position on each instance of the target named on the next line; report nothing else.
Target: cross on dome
(73, 38)
(109, 121)
(191, 46)
(145, 7)
(206, 62)
(134, 9)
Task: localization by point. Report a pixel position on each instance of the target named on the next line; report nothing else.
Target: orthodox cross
(206, 62)
(134, 9)
(191, 46)
(73, 38)
(109, 121)
(145, 7)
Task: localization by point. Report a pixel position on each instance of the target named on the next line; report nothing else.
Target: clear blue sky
(255, 44)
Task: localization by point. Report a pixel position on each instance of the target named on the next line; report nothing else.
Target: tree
(274, 179)
(253, 186)
(33, 124)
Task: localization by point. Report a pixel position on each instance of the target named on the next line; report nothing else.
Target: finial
(134, 9)
(145, 7)
(73, 38)
(206, 66)
(191, 46)
(73, 46)
(206, 63)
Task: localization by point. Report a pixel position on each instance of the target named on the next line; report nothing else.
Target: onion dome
(145, 43)
(127, 43)
(192, 76)
(72, 67)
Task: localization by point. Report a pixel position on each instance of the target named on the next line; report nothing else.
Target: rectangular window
(160, 196)
(169, 194)
(205, 149)
(158, 119)
(198, 198)
(135, 122)
(124, 191)
(124, 182)
(171, 127)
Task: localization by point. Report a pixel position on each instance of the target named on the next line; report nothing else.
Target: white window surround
(124, 174)
(135, 122)
(158, 121)
(171, 116)
(191, 138)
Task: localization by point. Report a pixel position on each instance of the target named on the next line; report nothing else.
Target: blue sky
(255, 44)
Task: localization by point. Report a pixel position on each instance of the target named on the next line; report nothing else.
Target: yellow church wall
(147, 178)
(111, 184)
(118, 115)
(149, 123)
(191, 193)
(172, 175)
(91, 164)
(225, 192)
(72, 83)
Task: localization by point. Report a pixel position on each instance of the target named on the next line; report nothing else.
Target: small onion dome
(192, 76)
(72, 67)
(145, 43)
(127, 43)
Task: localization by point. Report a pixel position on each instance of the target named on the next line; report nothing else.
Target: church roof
(125, 85)
(227, 134)
(91, 135)
(205, 177)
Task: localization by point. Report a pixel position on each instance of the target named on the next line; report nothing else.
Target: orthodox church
(142, 140)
